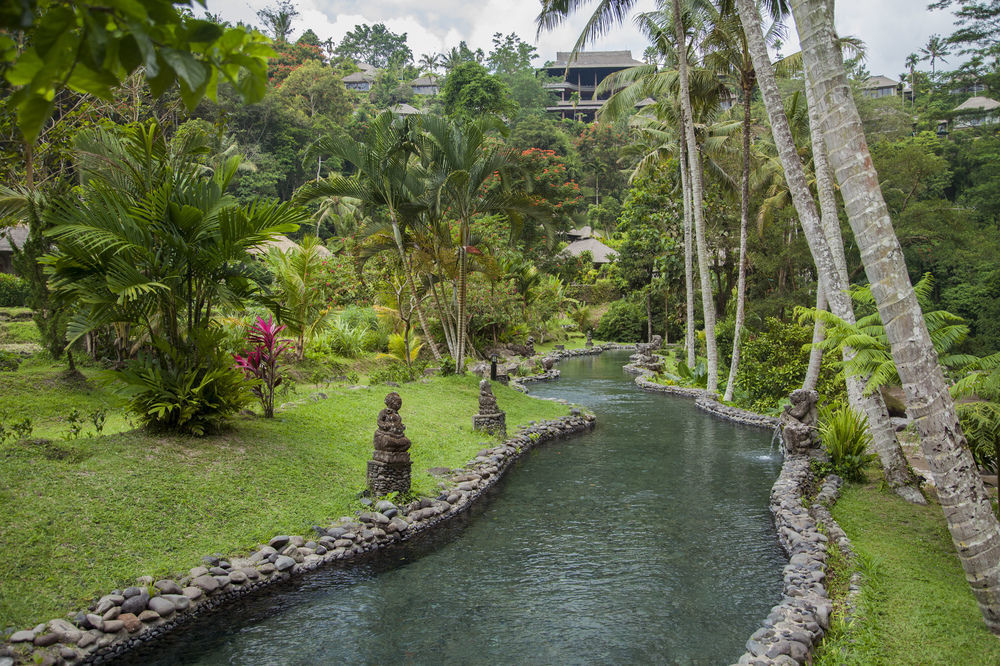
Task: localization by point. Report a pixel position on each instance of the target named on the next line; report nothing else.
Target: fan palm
(153, 244)
(386, 180)
(463, 160)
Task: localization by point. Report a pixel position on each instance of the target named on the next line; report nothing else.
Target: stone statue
(590, 339)
(644, 356)
(490, 417)
(530, 346)
(798, 422)
(389, 468)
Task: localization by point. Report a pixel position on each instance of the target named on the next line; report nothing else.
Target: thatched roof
(601, 253)
(587, 59)
(978, 103)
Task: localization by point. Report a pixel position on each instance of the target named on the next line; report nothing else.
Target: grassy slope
(80, 517)
(915, 607)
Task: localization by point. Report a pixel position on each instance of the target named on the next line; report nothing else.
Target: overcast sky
(892, 29)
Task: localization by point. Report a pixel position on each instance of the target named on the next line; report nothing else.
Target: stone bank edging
(704, 400)
(107, 632)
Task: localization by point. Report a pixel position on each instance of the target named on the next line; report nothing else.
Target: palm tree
(832, 280)
(911, 64)
(429, 62)
(462, 160)
(935, 49)
(385, 181)
(729, 56)
(974, 528)
(154, 247)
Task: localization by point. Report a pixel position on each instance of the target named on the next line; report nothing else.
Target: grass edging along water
(115, 623)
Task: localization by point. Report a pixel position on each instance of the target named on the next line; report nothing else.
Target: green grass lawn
(81, 517)
(915, 607)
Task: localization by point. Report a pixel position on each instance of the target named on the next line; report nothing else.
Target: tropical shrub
(189, 388)
(343, 340)
(844, 434)
(299, 279)
(773, 363)
(393, 371)
(261, 363)
(13, 291)
(153, 247)
(625, 321)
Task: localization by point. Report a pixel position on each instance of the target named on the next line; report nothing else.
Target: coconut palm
(974, 528)
(935, 49)
(728, 55)
(429, 62)
(832, 279)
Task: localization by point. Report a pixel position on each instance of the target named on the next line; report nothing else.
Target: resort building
(362, 80)
(580, 77)
(426, 85)
(16, 235)
(883, 86)
(976, 111)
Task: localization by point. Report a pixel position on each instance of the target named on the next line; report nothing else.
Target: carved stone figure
(590, 339)
(389, 468)
(644, 356)
(490, 417)
(798, 422)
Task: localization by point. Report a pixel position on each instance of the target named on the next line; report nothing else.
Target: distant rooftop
(879, 81)
(359, 77)
(585, 59)
(428, 80)
(978, 103)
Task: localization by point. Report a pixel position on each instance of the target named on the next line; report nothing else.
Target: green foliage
(867, 337)
(773, 363)
(189, 388)
(91, 46)
(392, 371)
(14, 291)
(844, 434)
(625, 321)
(376, 45)
(447, 366)
(696, 377)
(469, 91)
(9, 361)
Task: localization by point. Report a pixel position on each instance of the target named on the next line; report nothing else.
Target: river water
(646, 541)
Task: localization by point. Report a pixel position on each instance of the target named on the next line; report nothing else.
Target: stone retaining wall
(711, 405)
(106, 631)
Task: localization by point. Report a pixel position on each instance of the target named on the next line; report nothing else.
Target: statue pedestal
(385, 478)
(492, 423)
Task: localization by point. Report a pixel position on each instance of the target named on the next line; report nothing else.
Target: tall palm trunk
(741, 282)
(688, 254)
(831, 280)
(694, 164)
(897, 472)
(815, 353)
(462, 324)
(974, 528)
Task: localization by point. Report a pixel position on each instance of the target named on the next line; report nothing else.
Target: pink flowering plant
(260, 364)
